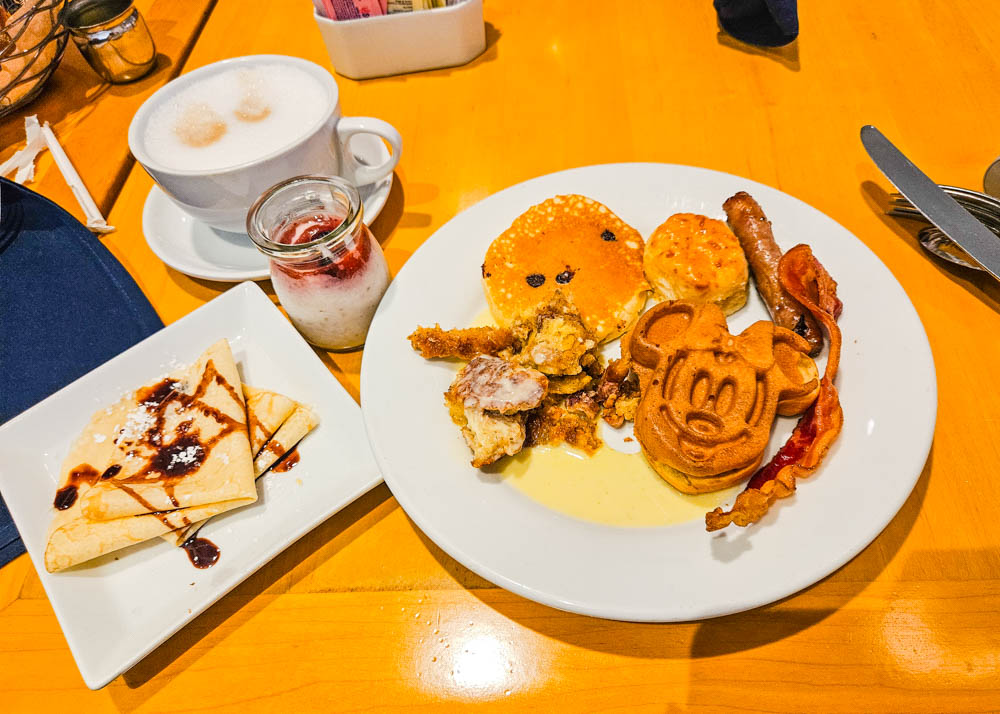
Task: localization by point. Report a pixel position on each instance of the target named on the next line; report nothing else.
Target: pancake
(696, 258)
(182, 439)
(575, 245)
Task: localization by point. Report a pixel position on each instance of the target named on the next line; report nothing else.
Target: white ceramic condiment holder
(405, 42)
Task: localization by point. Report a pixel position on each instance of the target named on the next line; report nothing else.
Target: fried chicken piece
(569, 385)
(490, 436)
(433, 342)
(553, 424)
(488, 400)
(493, 384)
(555, 340)
(618, 393)
(584, 402)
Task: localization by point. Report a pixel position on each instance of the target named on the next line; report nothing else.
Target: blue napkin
(66, 306)
(768, 23)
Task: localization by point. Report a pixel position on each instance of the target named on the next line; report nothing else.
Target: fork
(985, 208)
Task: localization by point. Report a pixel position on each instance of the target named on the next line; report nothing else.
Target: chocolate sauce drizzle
(167, 462)
(288, 462)
(66, 496)
(202, 552)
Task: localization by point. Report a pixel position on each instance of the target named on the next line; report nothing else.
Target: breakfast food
(166, 457)
(234, 116)
(162, 457)
(266, 411)
(703, 400)
(282, 422)
(751, 226)
(577, 246)
(326, 266)
(709, 398)
(696, 258)
(434, 342)
(538, 389)
(488, 400)
(807, 281)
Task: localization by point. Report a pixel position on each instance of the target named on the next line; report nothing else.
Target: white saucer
(201, 251)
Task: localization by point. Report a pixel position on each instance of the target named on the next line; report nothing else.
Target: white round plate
(672, 573)
(201, 251)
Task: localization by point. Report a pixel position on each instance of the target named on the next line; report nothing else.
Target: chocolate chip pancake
(577, 246)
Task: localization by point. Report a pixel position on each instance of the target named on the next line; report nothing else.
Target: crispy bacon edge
(807, 281)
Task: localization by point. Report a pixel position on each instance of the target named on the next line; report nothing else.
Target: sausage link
(754, 233)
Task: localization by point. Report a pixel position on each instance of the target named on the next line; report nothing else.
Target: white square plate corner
(118, 608)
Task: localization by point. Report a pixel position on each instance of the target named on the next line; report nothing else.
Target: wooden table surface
(90, 117)
(365, 613)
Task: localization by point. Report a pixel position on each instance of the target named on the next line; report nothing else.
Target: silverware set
(985, 208)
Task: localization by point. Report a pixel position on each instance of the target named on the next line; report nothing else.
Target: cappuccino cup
(216, 138)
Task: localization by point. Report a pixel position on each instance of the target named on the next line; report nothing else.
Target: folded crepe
(267, 411)
(163, 457)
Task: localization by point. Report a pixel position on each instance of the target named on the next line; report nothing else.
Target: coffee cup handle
(361, 174)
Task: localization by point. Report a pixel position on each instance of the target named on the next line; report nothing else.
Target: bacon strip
(805, 279)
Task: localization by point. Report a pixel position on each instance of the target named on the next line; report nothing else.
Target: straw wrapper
(24, 160)
(39, 138)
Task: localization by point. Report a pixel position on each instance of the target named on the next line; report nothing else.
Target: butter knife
(938, 207)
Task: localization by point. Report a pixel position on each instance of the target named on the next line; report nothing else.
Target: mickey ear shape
(658, 329)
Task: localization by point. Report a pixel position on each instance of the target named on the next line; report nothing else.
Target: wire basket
(31, 44)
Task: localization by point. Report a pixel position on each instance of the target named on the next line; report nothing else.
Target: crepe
(266, 411)
(183, 443)
(300, 422)
(162, 457)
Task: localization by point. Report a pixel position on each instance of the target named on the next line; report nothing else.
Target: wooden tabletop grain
(366, 614)
(90, 117)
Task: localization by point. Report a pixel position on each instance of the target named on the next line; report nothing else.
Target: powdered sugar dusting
(185, 456)
(137, 422)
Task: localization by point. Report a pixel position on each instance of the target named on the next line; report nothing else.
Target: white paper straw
(95, 221)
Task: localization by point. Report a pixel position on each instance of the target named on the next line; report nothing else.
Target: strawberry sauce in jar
(326, 267)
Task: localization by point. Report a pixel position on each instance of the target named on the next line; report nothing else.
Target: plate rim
(787, 589)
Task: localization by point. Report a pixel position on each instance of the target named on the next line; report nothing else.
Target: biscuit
(575, 245)
(698, 259)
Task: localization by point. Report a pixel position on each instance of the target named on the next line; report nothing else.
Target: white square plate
(117, 608)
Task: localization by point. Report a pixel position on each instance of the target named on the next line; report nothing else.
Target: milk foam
(233, 117)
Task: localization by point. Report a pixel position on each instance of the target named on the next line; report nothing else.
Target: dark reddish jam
(287, 463)
(202, 552)
(347, 259)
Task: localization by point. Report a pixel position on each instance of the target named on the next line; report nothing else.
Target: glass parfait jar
(326, 267)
